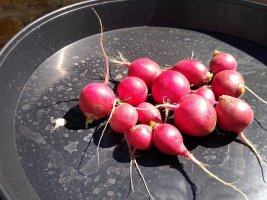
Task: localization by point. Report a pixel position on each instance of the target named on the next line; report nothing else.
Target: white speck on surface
(25, 106)
(71, 147)
(96, 191)
(37, 137)
(110, 193)
(59, 122)
(111, 181)
(88, 137)
(118, 76)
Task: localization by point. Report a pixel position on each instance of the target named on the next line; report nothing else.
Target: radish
(231, 83)
(168, 140)
(195, 115)
(97, 99)
(139, 136)
(235, 115)
(170, 86)
(147, 112)
(132, 90)
(205, 92)
(228, 82)
(143, 68)
(123, 117)
(196, 72)
(222, 61)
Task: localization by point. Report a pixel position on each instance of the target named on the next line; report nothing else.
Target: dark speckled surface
(51, 159)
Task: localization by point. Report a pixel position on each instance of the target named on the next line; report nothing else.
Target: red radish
(196, 72)
(231, 83)
(123, 117)
(170, 86)
(205, 92)
(140, 136)
(168, 140)
(235, 115)
(222, 61)
(228, 82)
(147, 112)
(195, 115)
(143, 68)
(96, 100)
(132, 90)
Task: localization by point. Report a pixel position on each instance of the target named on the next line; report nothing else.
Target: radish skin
(222, 61)
(123, 118)
(195, 71)
(170, 86)
(132, 90)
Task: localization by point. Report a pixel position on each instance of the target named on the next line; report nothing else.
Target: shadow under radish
(218, 138)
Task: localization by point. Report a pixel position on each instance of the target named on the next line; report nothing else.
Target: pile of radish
(198, 98)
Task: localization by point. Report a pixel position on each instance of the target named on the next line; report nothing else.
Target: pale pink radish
(147, 112)
(170, 86)
(169, 140)
(222, 61)
(132, 90)
(196, 72)
(235, 115)
(205, 92)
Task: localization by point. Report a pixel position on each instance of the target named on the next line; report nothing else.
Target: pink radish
(195, 115)
(147, 112)
(231, 83)
(170, 86)
(205, 92)
(228, 82)
(222, 61)
(139, 136)
(96, 101)
(143, 68)
(235, 115)
(168, 140)
(196, 72)
(132, 90)
(123, 117)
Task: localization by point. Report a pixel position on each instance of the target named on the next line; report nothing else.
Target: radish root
(197, 162)
(121, 60)
(142, 177)
(253, 148)
(106, 82)
(105, 127)
(257, 96)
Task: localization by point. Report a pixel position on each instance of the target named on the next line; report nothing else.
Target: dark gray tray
(44, 67)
